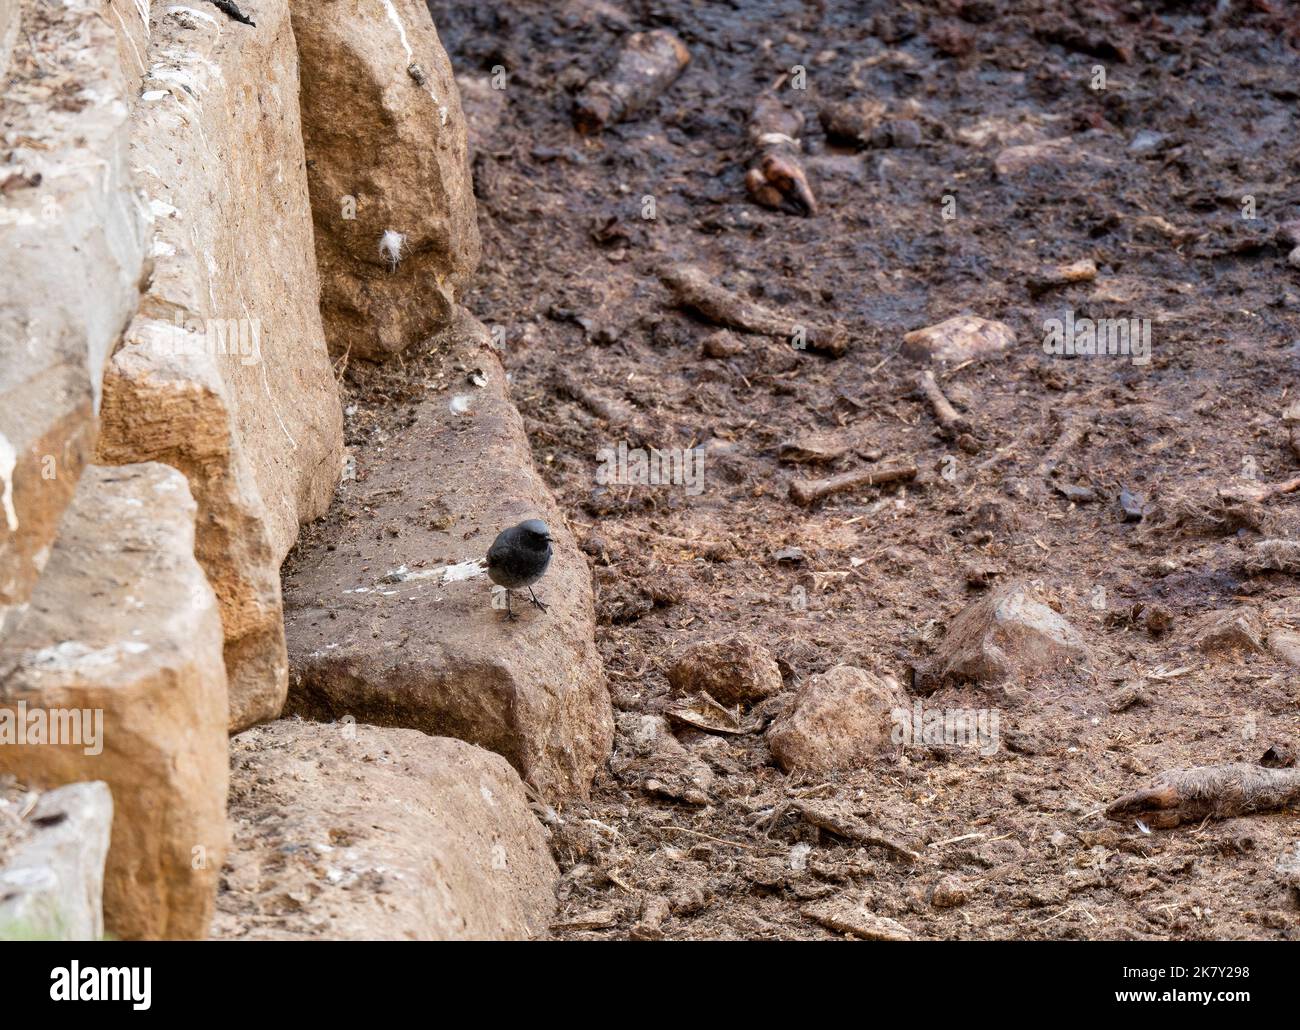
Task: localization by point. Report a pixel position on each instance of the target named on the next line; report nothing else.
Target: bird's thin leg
(510, 614)
(536, 602)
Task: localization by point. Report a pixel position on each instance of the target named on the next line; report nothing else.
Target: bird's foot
(511, 616)
(536, 603)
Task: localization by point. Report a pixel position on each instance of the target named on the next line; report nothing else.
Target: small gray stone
(1147, 142)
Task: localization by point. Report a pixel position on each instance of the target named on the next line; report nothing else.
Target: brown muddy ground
(1199, 112)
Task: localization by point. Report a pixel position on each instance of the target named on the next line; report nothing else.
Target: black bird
(230, 10)
(518, 558)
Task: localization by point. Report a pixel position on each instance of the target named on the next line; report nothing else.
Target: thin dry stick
(1260, 494)
(696, 290)
(850, 829)
(949, 420)
(809, 491)
(720, 840)
(954, 840)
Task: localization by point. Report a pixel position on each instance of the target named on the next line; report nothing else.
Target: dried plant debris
(1209, 792)
(1272, 556)
(853, 509)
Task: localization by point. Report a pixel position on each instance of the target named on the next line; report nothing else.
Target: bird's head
(536, 532)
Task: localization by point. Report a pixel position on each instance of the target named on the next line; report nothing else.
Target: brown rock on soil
(1081, 271)
(424, 648)
(851, 121)
(722, 344)
(388, 154)
(224, 373)
(1062, 152)
(351, 832)
(1008, 637)
(123, 621)
(70, 212)
(1232, 630)
(647, 65)
(949, 892)
(840, 720)
(1286, 645)
(958, 339)
(732, 671)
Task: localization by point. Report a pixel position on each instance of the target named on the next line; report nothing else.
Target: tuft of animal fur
(391, 246)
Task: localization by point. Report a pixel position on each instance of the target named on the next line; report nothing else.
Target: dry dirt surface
(1128, 497)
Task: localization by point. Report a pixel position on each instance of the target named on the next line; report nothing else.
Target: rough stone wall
(122, 634)
(391, 189)
(224, 373)
(392, 834)
(73, 238)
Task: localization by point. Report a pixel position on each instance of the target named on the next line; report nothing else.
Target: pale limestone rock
(52, 887)
(224, 373)
(76, 232)
(1229, 631)
(123, 623)
(354, 832)
(387, 142)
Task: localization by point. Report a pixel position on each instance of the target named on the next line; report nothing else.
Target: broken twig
(852, 829)
(950, 422)
(695, 290)
(809, 491)
(1258, 493)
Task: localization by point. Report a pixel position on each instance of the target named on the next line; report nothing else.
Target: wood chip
(843, 916)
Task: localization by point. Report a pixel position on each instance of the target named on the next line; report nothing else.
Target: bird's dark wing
(498, 551)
